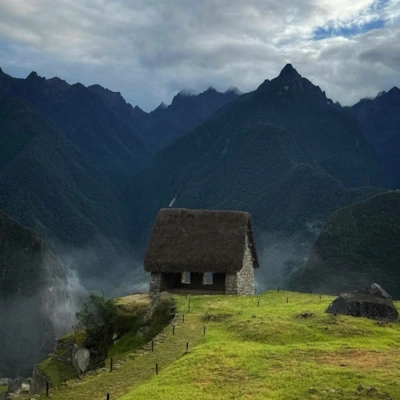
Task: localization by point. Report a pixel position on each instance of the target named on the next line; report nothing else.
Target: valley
(88, 173)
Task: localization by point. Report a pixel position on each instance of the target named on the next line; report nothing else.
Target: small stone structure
(202, 252)
(371, 302)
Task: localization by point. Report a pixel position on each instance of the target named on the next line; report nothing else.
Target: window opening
(208, 278)
(185, 278)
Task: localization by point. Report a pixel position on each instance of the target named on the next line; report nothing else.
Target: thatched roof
(199, 241)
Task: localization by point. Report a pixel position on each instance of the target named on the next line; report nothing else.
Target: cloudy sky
(151, 49)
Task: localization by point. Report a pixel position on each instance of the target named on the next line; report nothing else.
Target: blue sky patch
(354, 29)
(346, 31)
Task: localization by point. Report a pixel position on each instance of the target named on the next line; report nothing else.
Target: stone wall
(160, 282)
(245, 277)
(64, 350)
(155, 284)
(39, 380)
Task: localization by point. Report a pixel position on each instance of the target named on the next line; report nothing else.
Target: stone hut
(202, 252)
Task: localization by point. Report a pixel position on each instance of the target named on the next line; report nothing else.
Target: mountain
(117, 137)
(97, 121)
(380, 121)
(357, 246)
(34, 300)
(47, 184)
(284, 152)
(67, 154)
(185, 112)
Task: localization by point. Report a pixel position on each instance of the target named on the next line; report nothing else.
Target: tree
(98, 318)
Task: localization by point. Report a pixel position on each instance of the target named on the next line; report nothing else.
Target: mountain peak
(234, 89)
(394, 91)
(32, 76)
(288, 70)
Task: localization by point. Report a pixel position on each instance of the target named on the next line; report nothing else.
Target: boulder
(82, 360)
(371, 302)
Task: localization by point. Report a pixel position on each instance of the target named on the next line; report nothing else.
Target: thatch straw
(199, 241)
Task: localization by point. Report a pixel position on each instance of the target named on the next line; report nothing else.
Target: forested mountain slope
(380, 121)
(33, 298)
(284, 152)
(357, 246)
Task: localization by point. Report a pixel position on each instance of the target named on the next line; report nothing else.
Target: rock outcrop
(371, 302)
(81, 360)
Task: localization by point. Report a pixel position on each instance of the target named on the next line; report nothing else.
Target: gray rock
(14, 385)
(38, 382)
(142, 330)
(371, 302)
(4, 381)
(82, 360)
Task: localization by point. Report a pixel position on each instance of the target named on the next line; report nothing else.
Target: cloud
(149, 50)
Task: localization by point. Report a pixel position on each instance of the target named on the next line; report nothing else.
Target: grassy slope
(131, 310)
(251, 352)
(3, 389)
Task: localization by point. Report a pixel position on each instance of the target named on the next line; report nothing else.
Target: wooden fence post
(111, 364)
(47, 389)
(156, 369)
(187, 346)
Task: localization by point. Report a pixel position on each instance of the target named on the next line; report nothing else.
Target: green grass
(57, 371)
(131, 311)
(257, 352)
(3, 389)
(133, 320)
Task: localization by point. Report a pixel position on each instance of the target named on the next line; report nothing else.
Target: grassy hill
(284, 348)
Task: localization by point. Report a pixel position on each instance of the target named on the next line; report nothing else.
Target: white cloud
(149, 49)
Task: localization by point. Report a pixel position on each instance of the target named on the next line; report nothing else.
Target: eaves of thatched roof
(199, 241)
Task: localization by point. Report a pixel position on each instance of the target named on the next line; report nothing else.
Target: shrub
(98, 317)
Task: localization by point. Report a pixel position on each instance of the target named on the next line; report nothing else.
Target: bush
(98, 318)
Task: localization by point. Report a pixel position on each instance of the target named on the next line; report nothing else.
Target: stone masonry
(242, 283)
(245, 277)
(158, 284)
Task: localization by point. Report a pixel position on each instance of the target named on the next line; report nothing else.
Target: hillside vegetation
(132, 318)
(284, 348)
(284, 153)
(358, 245)
(380, 120)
